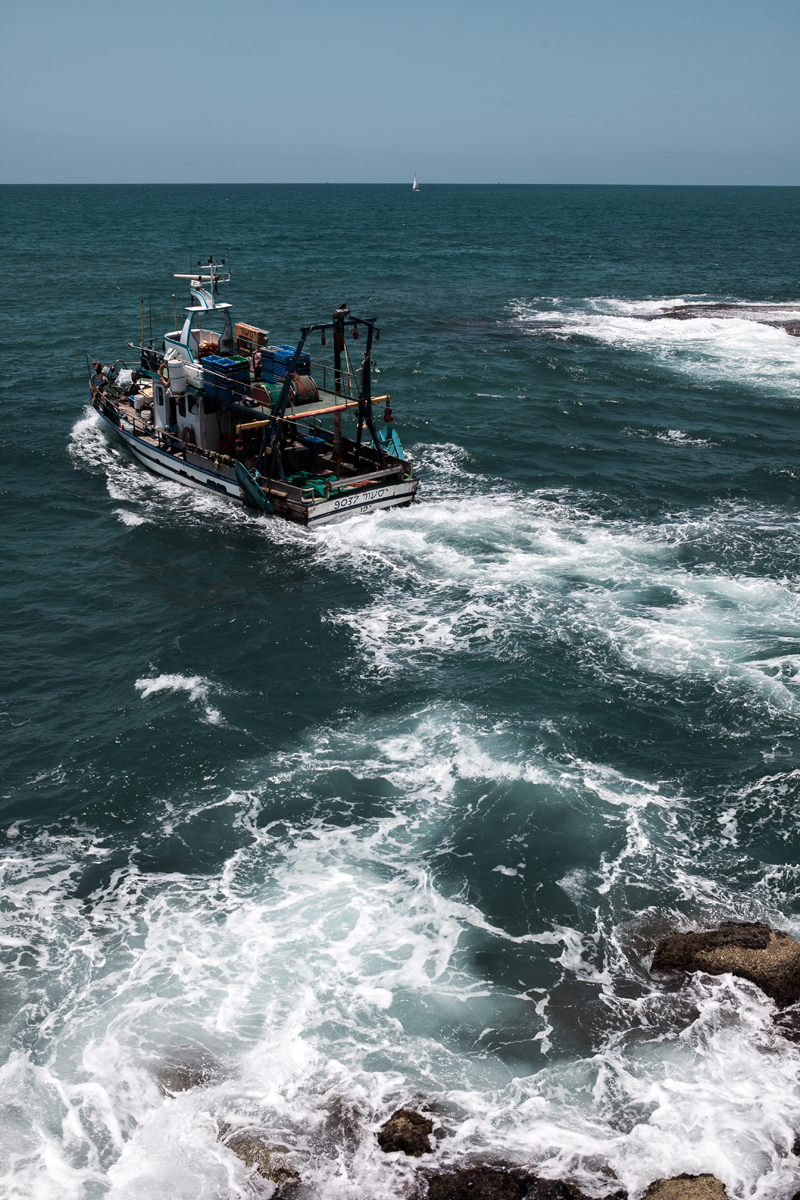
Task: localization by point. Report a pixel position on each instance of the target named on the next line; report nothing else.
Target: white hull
(390, 496)
(319, 512)
(176, 469)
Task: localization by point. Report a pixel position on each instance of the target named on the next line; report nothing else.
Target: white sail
(415, 185)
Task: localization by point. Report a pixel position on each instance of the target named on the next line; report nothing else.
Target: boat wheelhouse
(218, 407)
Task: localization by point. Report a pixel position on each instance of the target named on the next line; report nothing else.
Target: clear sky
(458, 91)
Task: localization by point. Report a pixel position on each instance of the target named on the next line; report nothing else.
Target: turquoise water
(394, 812)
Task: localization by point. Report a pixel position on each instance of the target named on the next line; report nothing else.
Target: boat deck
(319, 461)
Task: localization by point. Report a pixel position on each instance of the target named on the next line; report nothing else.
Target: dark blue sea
(393, 813)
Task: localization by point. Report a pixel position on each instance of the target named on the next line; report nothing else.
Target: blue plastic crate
(225, 378)
(225, 365)
(285, 354)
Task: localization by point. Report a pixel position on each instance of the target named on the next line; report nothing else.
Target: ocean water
(394, 813)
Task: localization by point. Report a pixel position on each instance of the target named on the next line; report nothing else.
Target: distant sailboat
(415, 185)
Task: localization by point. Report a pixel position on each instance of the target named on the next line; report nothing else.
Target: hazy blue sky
(518, 91)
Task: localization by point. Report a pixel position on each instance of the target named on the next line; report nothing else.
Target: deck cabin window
(159, 396)
(182, 406)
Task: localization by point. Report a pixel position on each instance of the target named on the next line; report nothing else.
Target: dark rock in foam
(496, 1183)
(188, 1069)
(264, 1160)
(479, 1183)
(767, 957)
(780, 316)
(686, 1187)
(408, 1131)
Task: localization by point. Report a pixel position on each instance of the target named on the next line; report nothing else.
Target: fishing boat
(415, 185)
(217, 407)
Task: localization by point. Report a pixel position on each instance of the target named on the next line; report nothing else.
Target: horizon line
(362, 183)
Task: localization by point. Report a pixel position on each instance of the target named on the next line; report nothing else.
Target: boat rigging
(224, 410)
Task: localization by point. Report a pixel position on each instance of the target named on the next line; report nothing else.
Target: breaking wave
(333, 969)
(734, 347)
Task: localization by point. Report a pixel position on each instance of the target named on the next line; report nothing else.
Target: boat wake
(457, 580)
(150, 498)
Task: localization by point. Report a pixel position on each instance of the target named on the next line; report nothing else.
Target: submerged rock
(497, 1183)
(687, 1187)
(182, 1072)
(408, 1131)
(343, 1127)
(767, 957)
(268, 1163)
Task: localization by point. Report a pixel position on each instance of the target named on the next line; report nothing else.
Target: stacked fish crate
(275, 361)
(226, 378)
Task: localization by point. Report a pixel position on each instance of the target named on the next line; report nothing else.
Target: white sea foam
(466, 576)
(329, 970)
(679, 438)
(672, 437)
(734, 348)
(195, 686)
(150, 498)
(129, 518)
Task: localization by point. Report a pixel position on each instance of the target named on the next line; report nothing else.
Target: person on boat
(255, 364)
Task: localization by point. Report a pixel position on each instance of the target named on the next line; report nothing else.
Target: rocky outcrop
(767, 957)
(498, 1183)
(780, 316)
(408, 1131)
(687, 1187)
(268, 1163)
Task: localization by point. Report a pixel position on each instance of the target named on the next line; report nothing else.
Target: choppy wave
(332, 969)
(710, 349)
(672, 437)
(494, 573)
(196, 687)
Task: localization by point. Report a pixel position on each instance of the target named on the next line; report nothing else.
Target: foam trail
(457, 578)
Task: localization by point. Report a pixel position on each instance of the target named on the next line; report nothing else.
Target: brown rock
(256, 1155)
(687, 1187)
(408, 1131)
(767, 957)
